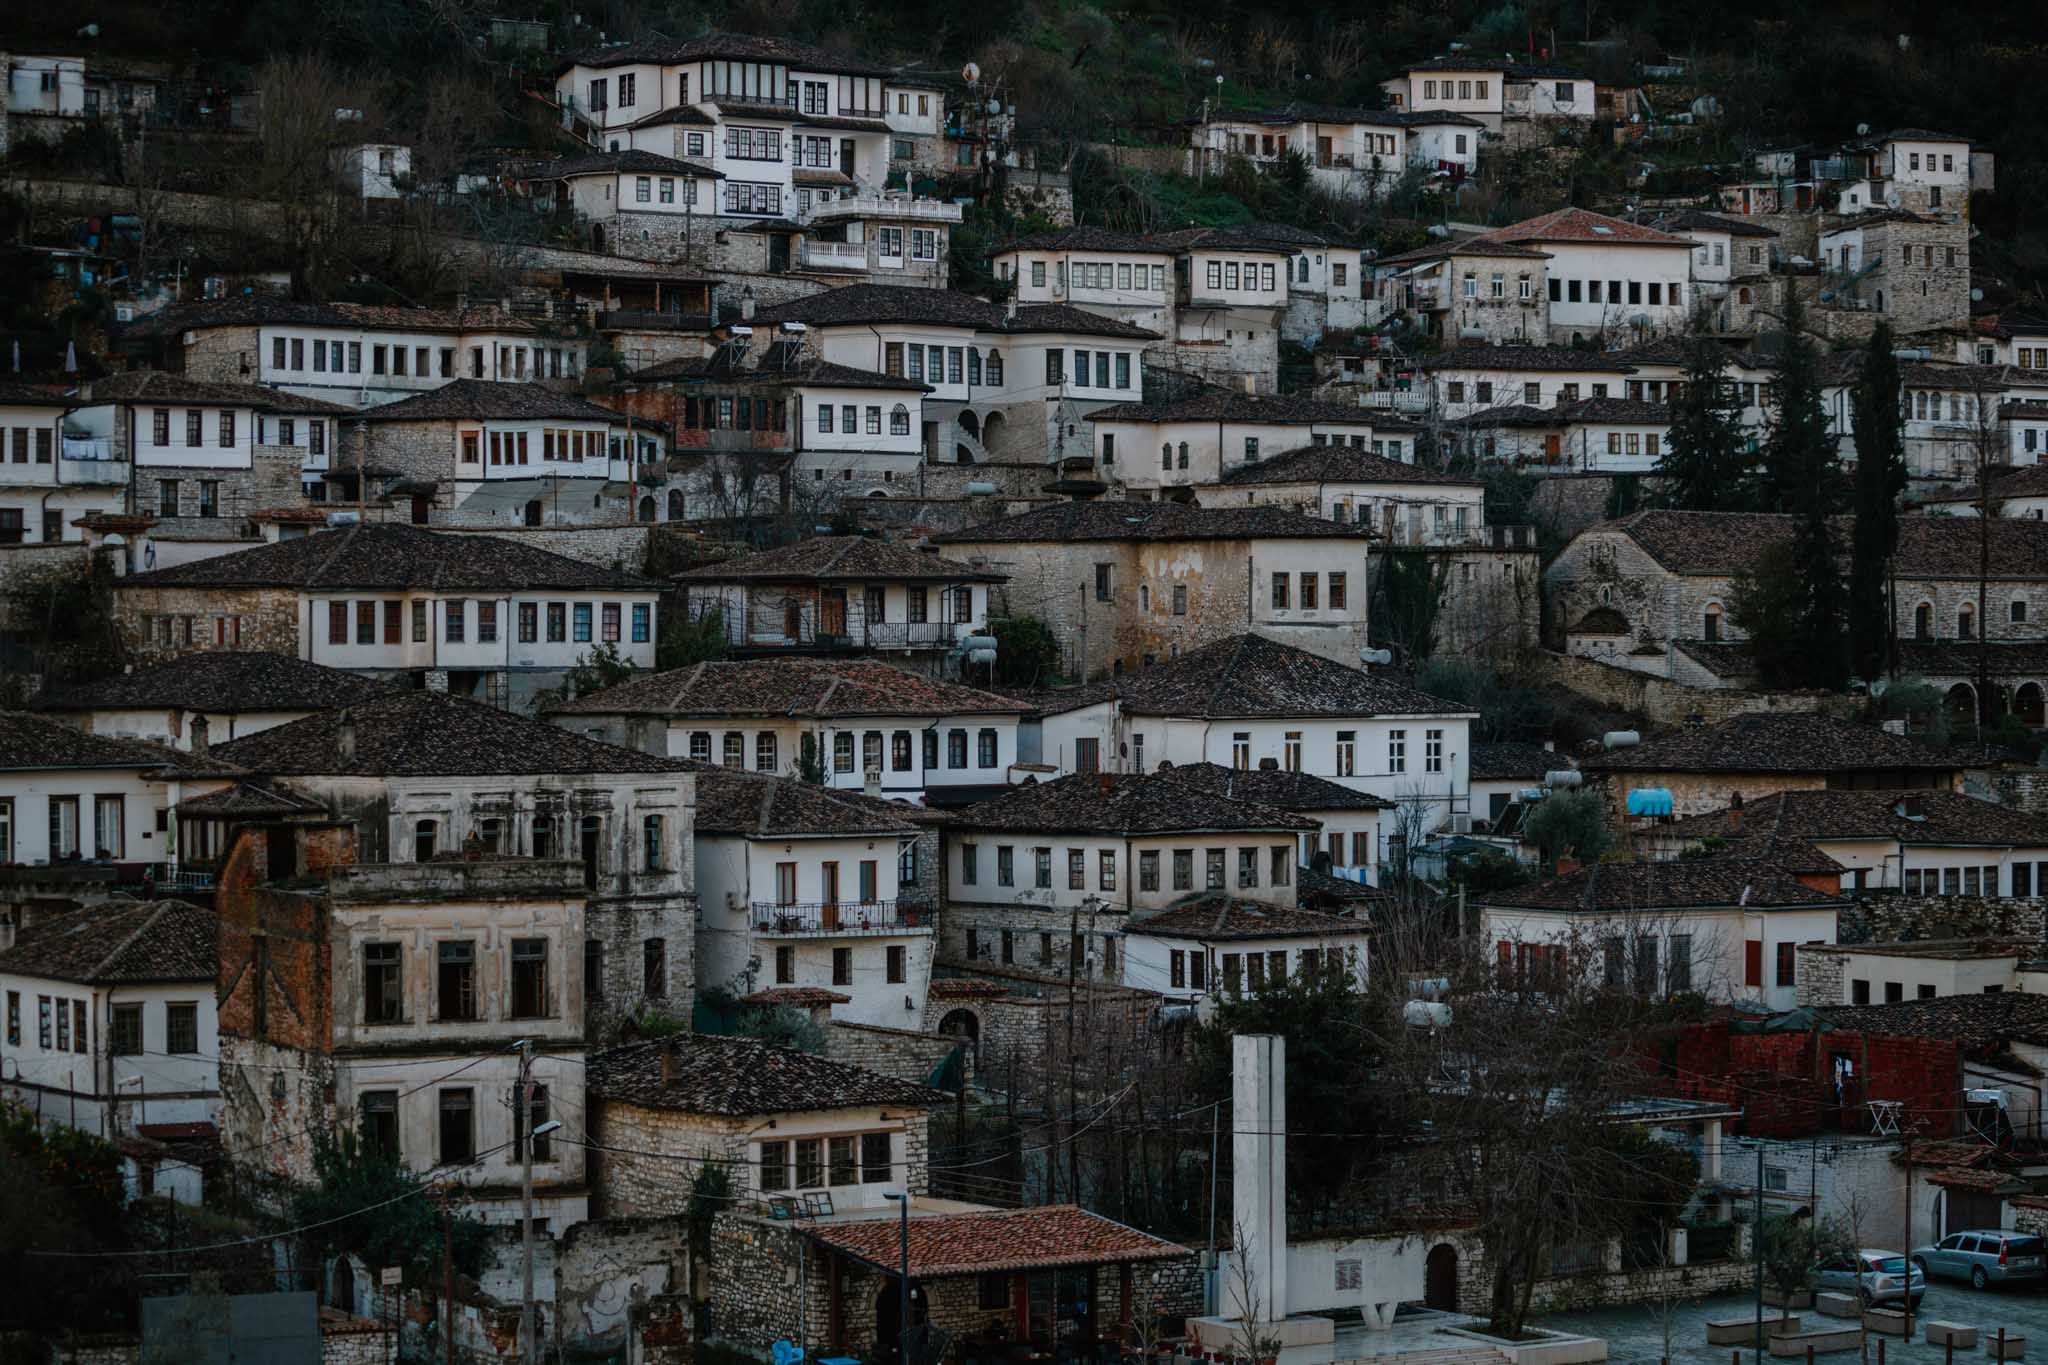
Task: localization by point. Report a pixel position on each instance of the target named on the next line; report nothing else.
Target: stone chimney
(345, 736)
(671, 1071)
(1269, 764)
(201, 741)
(1010, 307)
(1735, 812)
(747, 304)
(871, 782)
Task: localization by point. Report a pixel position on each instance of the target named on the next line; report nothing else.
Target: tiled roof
(156, 386)
(1693, 220)
(629, 161)
(406, 734)
(1949, 658)
(841, 559)
(478, 400)
(15, 395)
(811, 371)
(1251, 675)
(1918, 135)
(387, 555)
(1509, 415)
(1124, 803)
(817, 688)
(796, 997)
(1508, 761)
(685, 114)
(869, 303)
(756, 805)
(1062, 317)
(255, 310)
(1929, 546)
(1333, 463)
(1909, 817)
(1214, 919)
(1325, 113)
(998, 1240)
(1230, 406)
(219, 680)
(1584, 225)
(740, 1078)
(1977, 1022)
(1469, 246)
(1085, 238)
(1540, 359)
(29, 742)
(1775, 742)
(736, 46)
(967, 988)
(1614, 410)
(246, 800)
(1293, 791)
(1681, 884)
(1058, 701)
(1458, 61)
(133, 942)
(1100, 519)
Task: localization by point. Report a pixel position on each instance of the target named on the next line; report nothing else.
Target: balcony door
(832, 612)
(831, 894)
(785, 883)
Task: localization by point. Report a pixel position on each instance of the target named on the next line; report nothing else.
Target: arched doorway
(676, 511)
(2027, 704)
(992, 433)
(647, 508)
(533, 512)
(1923, 621)
(1440, 1278)
(966, 1026)
(1962, 700)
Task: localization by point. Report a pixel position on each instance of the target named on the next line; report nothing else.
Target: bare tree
(311, 110)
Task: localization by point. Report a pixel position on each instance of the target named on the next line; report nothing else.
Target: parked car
(1873, 1276)
(1986, 1256)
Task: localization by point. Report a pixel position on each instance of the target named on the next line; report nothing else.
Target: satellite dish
(1863, 130)
(1880, 687)
(1976, 296)
(1219, 80)
(970, 73)
(1892, 200)
(995, 106)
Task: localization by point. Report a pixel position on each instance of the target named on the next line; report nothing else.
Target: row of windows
(43, 441)
(1236, 973)
(557, 446)
(743, 196)
(942, 364)
(1104, 363)
(124, 1028)
(644, 187)
(1310, 596)
(1971, 881)
(457, 996)
(924, 244)
(1280, 862)
(1105, 275)
(849, 419)
(565, 621)
(170, 503)
(455, 1124)
(1966, 618)
(420, 362)
(225, 427)
(1253, 275)
(815, 1163)
(895, 958)
(168, 631)
(1347, 751)
(61, 815)
(60, 1024)
(1077, 949)
(1465, 89)
(1632, 443)
(767, 756)
(1656, 293)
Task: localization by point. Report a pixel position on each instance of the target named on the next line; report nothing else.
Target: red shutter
(1753, 962)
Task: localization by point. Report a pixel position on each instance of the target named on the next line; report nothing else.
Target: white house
(1217, 945)
(801, 889)
(1127, 276)
(1357, 153)
(374, 170)
(1470, 379)
(111, 1028)
(44, 96)
(1586, 436)
(1936, 164)
(1407, 503)
(1349, 833)
(1458, 84)
(48, 477)
(200, 699)
(1607, 278)
(1163, 449)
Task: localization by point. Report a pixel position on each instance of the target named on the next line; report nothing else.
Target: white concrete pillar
(1259, 1168)
(1711, 1167)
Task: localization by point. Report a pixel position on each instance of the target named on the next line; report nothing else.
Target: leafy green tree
(60, 1190)
(1705, 465)
(1574, 821)
(1027, 655)
(1803, 476)
(1410, 594)
(687, 639)
(810, 760)
(1507, 710)
(369, 1203)
(602, 667)
(1880, 479)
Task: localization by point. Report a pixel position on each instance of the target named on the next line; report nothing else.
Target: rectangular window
(124, 1034)
(529, 977)
(1397, 751)
(455, 620)
(458, 1126)
(456, 988)
(1280, 592)
(383, 984)
(582, 620)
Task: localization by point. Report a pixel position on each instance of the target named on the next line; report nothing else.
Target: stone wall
(906, 1054)
(2027, 791)
(1490, 602)
(1820, 972)
(355, 1341)
(623, 926)
(1671, 703)
(605, 1267)
(1574, 502)
(269, 619)
(1893, 919)
(1609, 1286)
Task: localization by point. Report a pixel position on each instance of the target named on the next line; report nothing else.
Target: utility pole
(522, 1124)
(1908, 1153)
(447, 1284)
(1758, 1237)
(1073, 1100)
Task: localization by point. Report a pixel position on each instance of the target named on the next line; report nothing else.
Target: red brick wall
(274, 945)
(1784, 1081)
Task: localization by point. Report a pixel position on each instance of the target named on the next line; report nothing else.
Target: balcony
(648, 320)
(841, 919)
(1397, 400)
(894, 207)
(91, 462)
(834, 256)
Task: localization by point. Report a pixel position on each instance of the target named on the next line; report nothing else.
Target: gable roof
(1102, 519)
(1776, 742)
(1331, 463)
(628, 161)
(219, 680)
(431, 734)
(740, 1078)
(1468, 246)
(1507, 761)
(1250, 675)
(29, 742)
(18, 395)
(478, 400)
(1584, 226)
(1545, 359)
(256, 310)
(1929, 546)
(1294, 791)
(870, 303)
(381, 554)
(1693, 220)
(157, 386)
(736, 46)
(996, 1240)
(841, 559)
(131, 943)
(1083, 237)
(1906, 817)
(1124, 803)
(758, 805)
(1231, 406)
(1215, 919)
(1977, 1022)
(1681, 884)
(818, 688)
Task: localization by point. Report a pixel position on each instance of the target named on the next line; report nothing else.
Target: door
(832, 612)
(1440, 1278)
(778, 253)
(792, 619)
(1553, 447)
(846, 157)
(830, 882)
(422, 509)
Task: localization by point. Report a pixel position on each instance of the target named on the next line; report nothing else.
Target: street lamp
(902, 1197)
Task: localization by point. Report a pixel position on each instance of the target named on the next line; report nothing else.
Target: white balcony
(835, 255)
(892, 207)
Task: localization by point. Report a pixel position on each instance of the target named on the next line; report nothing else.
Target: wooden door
(832, 612)
(1553, 447)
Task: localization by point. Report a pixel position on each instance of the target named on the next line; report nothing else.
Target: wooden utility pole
(1908, 1153)
(447, 1285)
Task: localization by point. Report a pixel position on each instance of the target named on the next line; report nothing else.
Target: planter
(1797, 1298)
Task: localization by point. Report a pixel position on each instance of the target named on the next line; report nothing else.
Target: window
(1042, 868)
(380, 1121)
(810, 1163)
(896, 966)
(383, 984)
(1006, 867)
(530, 977)
(457, 984)
(124, 1035)
(1336, 593)
(1280, 593)
(956, 748)
(1106, 871)
(1397, 751)
(582, 620)
(1213, 868)
(1432, 751)
(1148, 871)
(458, 1125)
(1183, 869)
(654, 968)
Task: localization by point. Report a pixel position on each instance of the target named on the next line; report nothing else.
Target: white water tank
(1621, 739)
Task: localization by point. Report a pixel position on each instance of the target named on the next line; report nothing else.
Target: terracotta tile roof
(841, 559)
(476, 400)
(1216, 919)
(407, 734)
(869, 303)
(247, 800)
(761, 806)
(1614, 410)
(1536, 359)
(1957, 1178)
(1229, 406)
(1929, 546)
(1977, 1022)
(805, 372)
(1470, 246)
(1325, 113)
(628, 161)
(1905, 817)
(966, 988)
(29, 742)
(1951, 658)
(736, 46)
(1101, 519)
(224, 680)
(1124, 803)
(739, 1077)
(1681, 884)
(797, 997)
(1315, 889)
(1062, 317)
(686, 114)
(392, 555)
(1510, 761)
(156, 386)
(1584, 225)
(1058, 701)
(821, 688)
(1509, 415)
(134, 942)
(1775, 742)
(255, 310)
(1251, 675)
(1693, 220)
(1291, 791)
(17, 395)
(999, 1240)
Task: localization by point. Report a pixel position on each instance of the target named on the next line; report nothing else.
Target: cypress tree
(1705, 467)
(1879, 480)
(1802, 476)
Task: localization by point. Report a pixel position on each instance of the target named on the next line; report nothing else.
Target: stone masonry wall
(906, 1054)
(1891, 919)
(624, 927)
(1670, 703)
(1821, 973)
(605, 1266)
(269, 619)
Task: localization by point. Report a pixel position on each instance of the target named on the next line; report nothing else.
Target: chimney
(1258, 1082)
(747, 304)
(345, 736)
(871, 782)
(1735, 812)
(671, 1072)
(1010, 307)
(200, 740)
(1251, 385)
(1106, 782)
(1269, 764)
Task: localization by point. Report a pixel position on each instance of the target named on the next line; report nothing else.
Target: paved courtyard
(1635, 1336)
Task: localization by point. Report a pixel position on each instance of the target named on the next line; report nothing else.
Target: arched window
(973, 366)
(647, 508)
(1166, 455)
(1183, 454)
(995, 369)
(899, 419)
(1966, 622)
(676, 508)
(1923, 621)
(1711, 625)
(1301, 269)
(1742, 296)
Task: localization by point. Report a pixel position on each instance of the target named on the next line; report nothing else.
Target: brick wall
(2027, 791)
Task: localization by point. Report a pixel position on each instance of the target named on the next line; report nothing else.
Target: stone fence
(1893, 919)
(1671, 703)
(906, 1054)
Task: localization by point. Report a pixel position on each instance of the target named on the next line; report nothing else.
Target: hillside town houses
(786, 690)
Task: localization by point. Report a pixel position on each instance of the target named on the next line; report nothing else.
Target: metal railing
(842, 917)
(883, 206)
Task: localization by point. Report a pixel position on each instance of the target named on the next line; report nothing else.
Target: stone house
(358, 355)
(788, 1127)
(1351, 153)
(1912, 270)
(1702, 925)
(1584, 436)
(870, 727)
(1921, 969)
(1705, 768)
(479, 615)
(1126, 584)
(1469, 379)
(1468, 292)
(1405, 502)
(1732, 264)
(110, 1022)
(195, 700)
(1919, 843)
(829, 1284)
(1350, 836)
